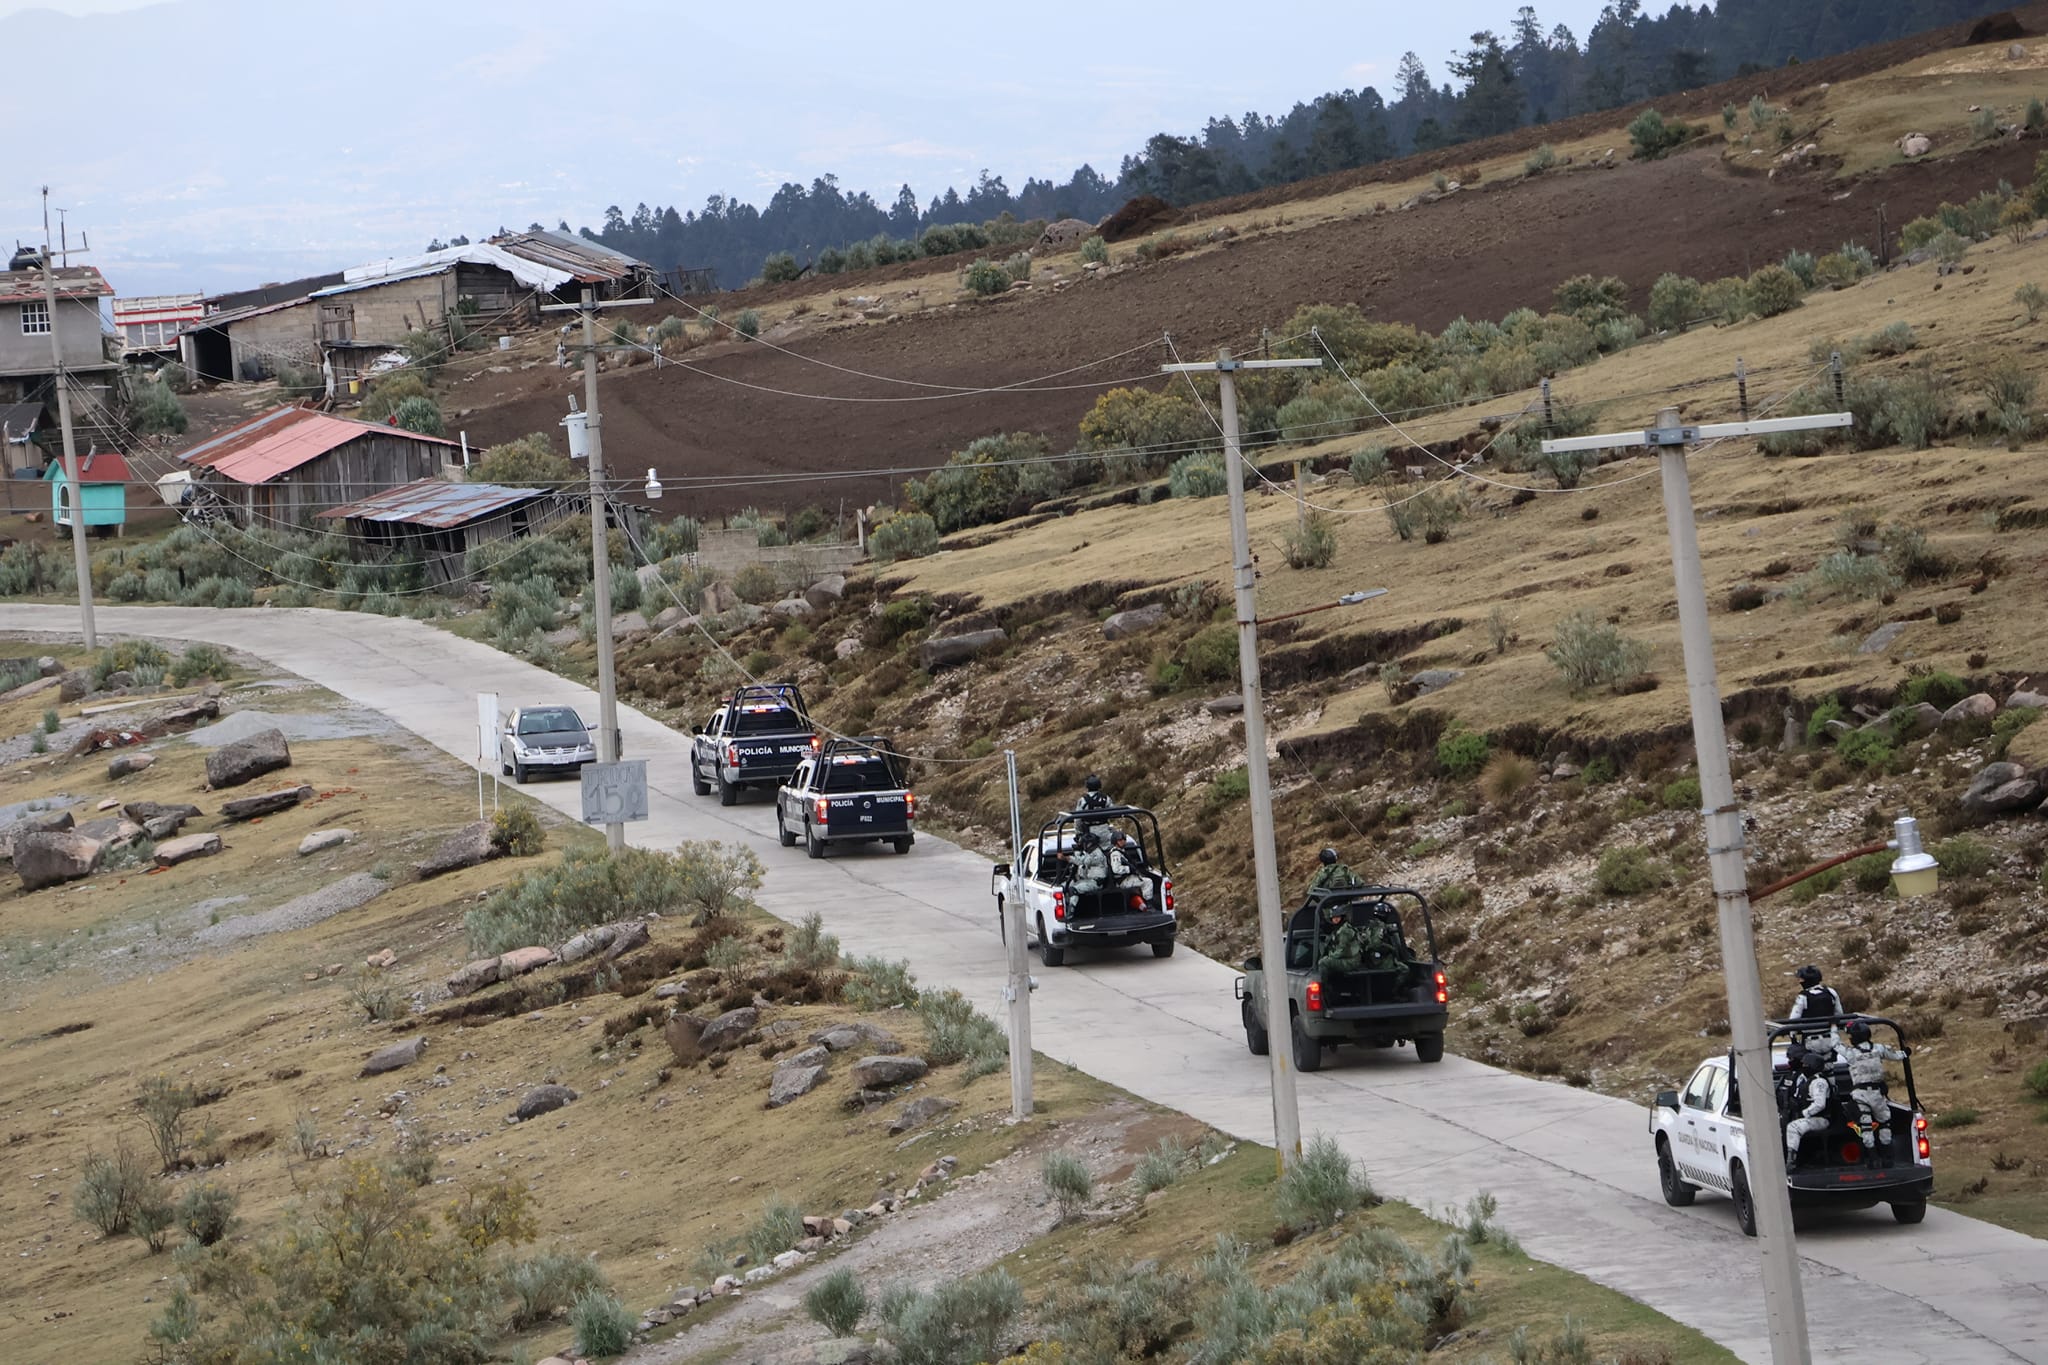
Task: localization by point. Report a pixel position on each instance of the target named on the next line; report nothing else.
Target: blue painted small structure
(104, 478)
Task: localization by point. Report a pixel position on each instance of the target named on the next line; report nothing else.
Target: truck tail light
(1315, 997)
(1166, 889)
(910, 805)
(1920, 1146)
(817, 743)
(1443, 990)
(732, 755)
(824, 810)
(1059, 906)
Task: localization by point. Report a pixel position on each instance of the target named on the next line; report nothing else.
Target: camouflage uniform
(1335, 877)
(1343, 951)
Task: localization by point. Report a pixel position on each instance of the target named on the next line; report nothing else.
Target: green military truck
(1378, 984)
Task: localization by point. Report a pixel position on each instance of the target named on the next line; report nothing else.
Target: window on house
(35, 319)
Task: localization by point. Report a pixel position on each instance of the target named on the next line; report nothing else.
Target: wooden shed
(285, 467)
(442, 522)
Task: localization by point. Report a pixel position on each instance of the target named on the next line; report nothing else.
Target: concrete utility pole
(1018, 992)
(600, 558)
(1784, 1300)
(1265, 858)
(81, 558)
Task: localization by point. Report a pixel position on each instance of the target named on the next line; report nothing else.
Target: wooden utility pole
(81, 558)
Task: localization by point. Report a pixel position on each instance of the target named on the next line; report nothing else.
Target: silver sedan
(541, 738)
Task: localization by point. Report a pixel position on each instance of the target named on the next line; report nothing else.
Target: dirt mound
(1142, 216)
(1997, 28)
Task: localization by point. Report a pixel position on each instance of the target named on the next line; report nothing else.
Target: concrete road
(1572, 1170)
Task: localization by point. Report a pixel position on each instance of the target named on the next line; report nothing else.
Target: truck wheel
(728, 794)
(1677, 1193)
(1745, 1206)
(1308, 1052)
(1255, 1039)
(1429, 1047)
(782, 830)
(697, 782)
(813, 845)
(1163, 949)
(1909, 1213)
(902, 844)
(518, 772)
(1051, 953)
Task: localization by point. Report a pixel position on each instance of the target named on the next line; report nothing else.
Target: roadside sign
(615, 793)
(487, 730)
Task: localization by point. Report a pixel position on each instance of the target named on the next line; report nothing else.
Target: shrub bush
(548, 1283)
(1322, 1186)
(747, 324)
(164, 1104)
(593, 886)
(837, 1303)
(955, 1321)
(527, 462)
(780, 267)
(421, 415)
(1018, 266)
(906, 535)
(1067, 1180)
(1964, 856)
(1855, 575)
(757, 583)
(1590, 652)
(1370, 465)
(779, 1227)
(1312, 545)
(956, 1032)
(206, 1212)
(1773, 290)
(1541, 160)
(2033, 298)
(1161, 1166)
(1095, 250)
(875, 984)
(1684, 794)
(1675, 302)
(1505, 775)
(2035, 1081)
(1726, 300)
(1211, 654)
(1435, 511)
(1652, 135)
(111, 1189)
(1199, 475)
(984, 278)
(1461, 753)
(1870, 749)
(156, 409)
(1628, 870)
(603, 1326)
(516, 832)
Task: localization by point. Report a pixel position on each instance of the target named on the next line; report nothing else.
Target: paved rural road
(1572, 1169)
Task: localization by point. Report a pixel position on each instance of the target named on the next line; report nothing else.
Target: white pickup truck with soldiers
(1094, 877)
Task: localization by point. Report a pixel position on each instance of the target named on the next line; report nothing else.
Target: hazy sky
(214, 144)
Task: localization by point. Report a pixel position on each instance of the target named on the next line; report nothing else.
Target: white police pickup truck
(1068, 905)
(1700, 1141)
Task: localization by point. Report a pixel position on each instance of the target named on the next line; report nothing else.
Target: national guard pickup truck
(1073, 901)
(755, 739)
(851, 792)
(1394, 994)
(1700, 1141)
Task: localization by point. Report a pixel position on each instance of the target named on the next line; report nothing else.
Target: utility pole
(1265, 858)
(1018, 992)
(81, 558)
(600, 558)
(1784, 1300)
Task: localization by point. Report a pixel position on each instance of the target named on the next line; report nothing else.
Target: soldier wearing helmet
(1810, 1098)
(1865, 1058)
(1814, 1000)
(1333, 875)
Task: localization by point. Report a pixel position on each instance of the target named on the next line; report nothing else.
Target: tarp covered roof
(433, 503)
(530, 273)
(591, 262)
(283, 439)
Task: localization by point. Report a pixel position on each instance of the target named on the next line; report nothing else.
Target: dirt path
(978, 1220)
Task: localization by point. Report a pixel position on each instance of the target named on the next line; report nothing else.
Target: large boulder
(1881, 639)
(1915, 144)
(877, 1073)
(681, 1034)
(112, 831)
(143, 812)
(35, 822)
(1999, 788)
(2032, 701)
(824, 594)
(857, 1034)
(74, 686)
(720, 598)
(125, 765)
(269, 803)
(946, 650)
(543, 1099)
(171, 852)
(46, 859)
(320, 840)
(728, 1029)
(520, 961)
(922, 1110)
(1978, 706)
(466, 847)
(397, 1055)
(792, 1082)
(795, 608)
(473, 977)
(612, 940)
(1136, 621)
(248, 759)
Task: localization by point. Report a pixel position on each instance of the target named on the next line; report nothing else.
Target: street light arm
(1797, 877)
(1350, 599)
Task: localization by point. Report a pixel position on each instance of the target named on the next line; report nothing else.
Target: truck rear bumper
(1114, 931)
(1377, 1023)
(1859, 1187)
(866, 834)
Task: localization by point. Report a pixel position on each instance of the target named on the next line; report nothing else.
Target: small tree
(1590, 652)
(984, 278)
(1675, 302)
(422, 415)
(157, 409)
(1653, 135)
(1774, 290)
(2018, 220)
(747, 324)
(780, 268)
(1095, 251)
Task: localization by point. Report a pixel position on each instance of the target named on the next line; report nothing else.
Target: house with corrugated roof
(27, 323)
(439, 523)
(290, 464)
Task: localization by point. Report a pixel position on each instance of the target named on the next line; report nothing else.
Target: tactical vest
(1821, 1001)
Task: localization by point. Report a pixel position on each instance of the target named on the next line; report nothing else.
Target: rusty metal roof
(590, 262)
(283, 439)
(434, 504)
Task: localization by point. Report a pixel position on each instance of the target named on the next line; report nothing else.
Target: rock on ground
(946, 650)
(1978, 706)
(791, 1082)
(826, 591)
(857, 1034)
(466, 847)
(269, 803)
(124, 765)
(473, 977)
(112, 832)
(2031, 700)
(1999, 788)
(543, 1099)
(171, 852)
(1136, 621)
(874, 1073)
(320, 840)
(393, 1057)
(248, 759)
(922, 1110)
(728, 1029)
(520, 961)
(40, 822)
(49, 858)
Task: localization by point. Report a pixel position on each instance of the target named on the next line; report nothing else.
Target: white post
(1019, 990)
(600, 564)
(1272, 932)
(81, 558)
(1784, 1300)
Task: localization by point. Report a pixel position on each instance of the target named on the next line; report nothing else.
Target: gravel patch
(340, 721)
(346, 894)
